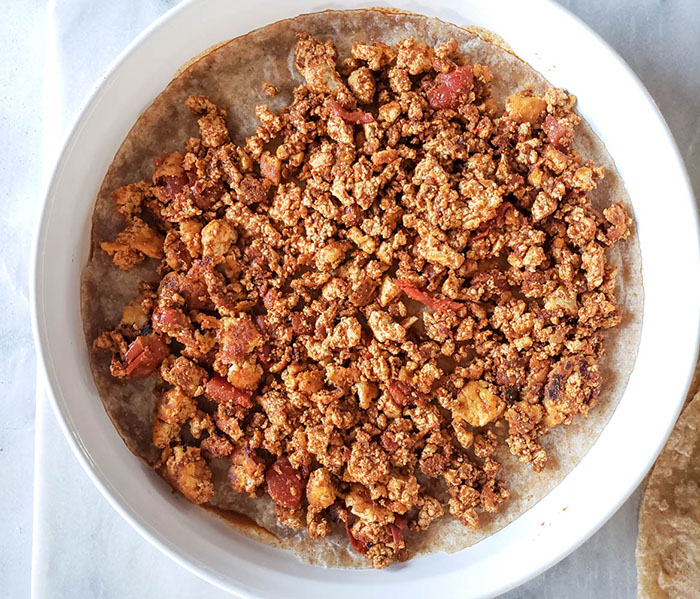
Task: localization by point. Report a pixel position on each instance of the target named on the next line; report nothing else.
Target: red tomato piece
(263, 355)
(397, 531)
(205, 197)
(451, 86)
(438, 305)
(351, 116)
(218, 389)
(484, 227)
(285, 484)
(168, 319)
(558, 134)
(174, 185)
(144, 355)
(357, 545)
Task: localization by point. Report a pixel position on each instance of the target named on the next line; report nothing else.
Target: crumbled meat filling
(354, 301)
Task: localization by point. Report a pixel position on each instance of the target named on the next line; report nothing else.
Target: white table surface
(81, 547)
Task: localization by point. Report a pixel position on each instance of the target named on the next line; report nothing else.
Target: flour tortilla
(231, 74)
(668, 546)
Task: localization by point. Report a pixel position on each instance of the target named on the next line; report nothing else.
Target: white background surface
(81, 547)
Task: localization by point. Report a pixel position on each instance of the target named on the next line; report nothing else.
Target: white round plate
(621, 112)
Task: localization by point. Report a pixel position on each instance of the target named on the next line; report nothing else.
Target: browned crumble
(351, 301)
(270, 89)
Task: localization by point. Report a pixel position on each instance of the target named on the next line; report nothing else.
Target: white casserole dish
(622, 114)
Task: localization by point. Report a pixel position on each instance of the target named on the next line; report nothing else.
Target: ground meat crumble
(389, 270)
